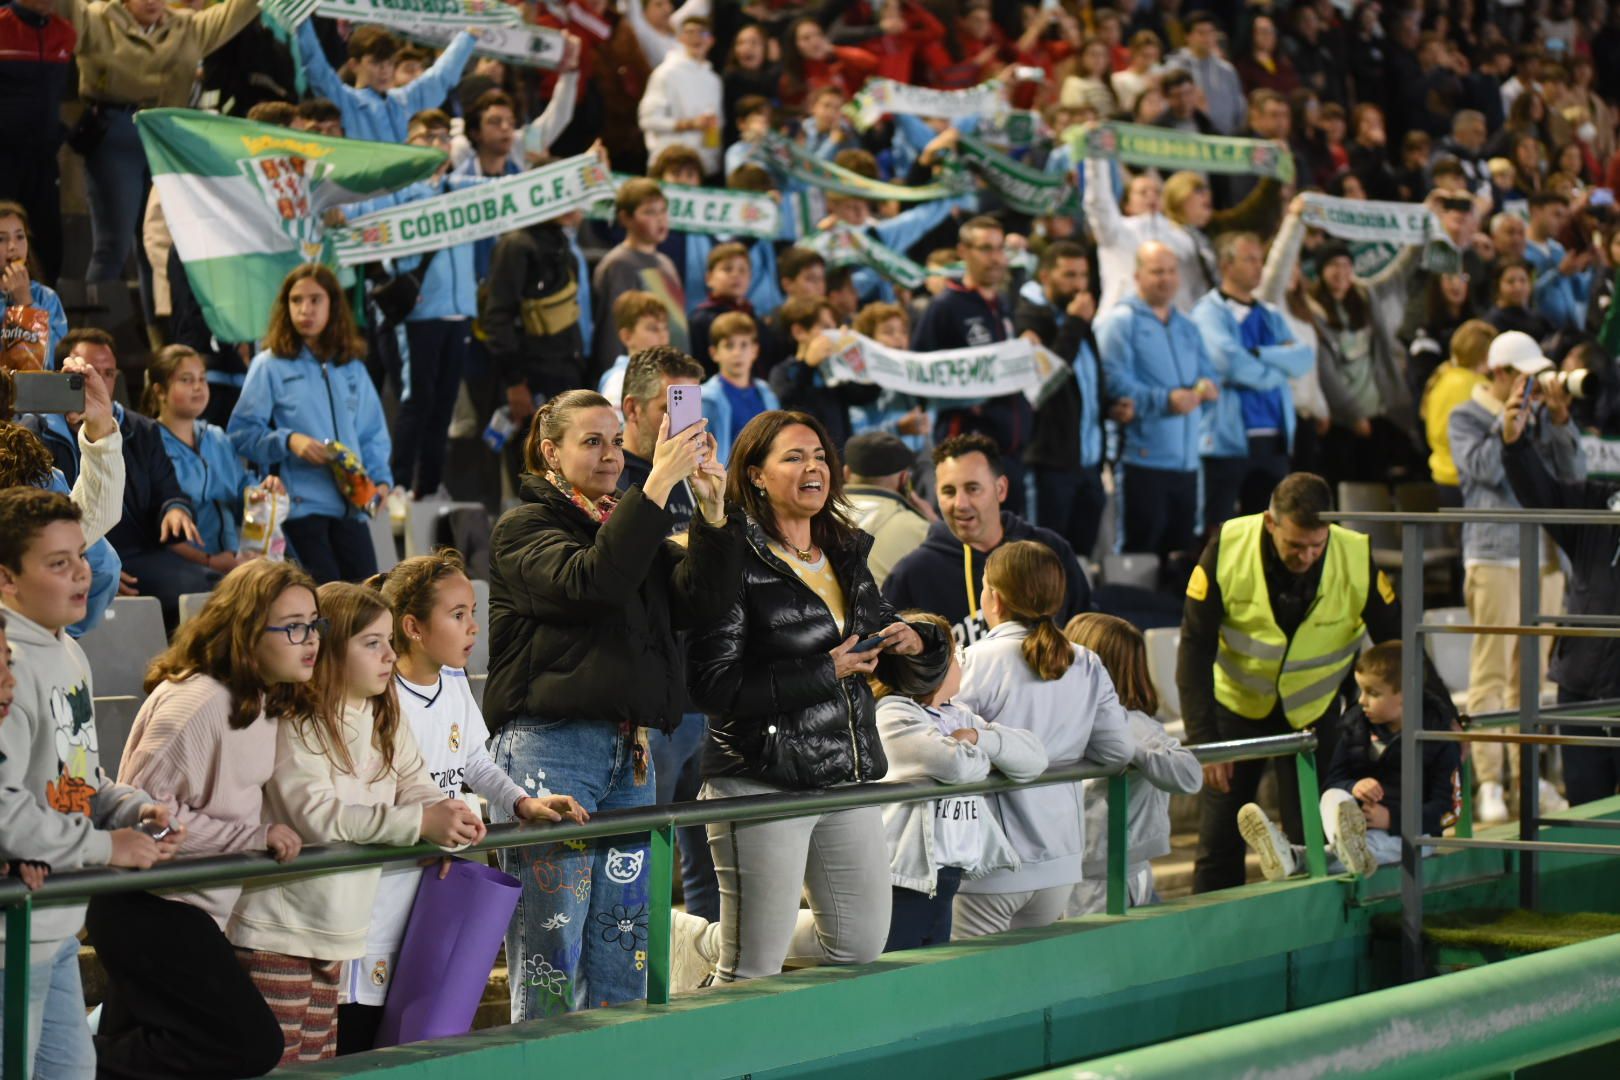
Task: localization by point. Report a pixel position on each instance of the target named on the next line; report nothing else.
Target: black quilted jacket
(762, 674)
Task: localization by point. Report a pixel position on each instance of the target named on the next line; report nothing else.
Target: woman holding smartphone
(783, 678)
(586, 596)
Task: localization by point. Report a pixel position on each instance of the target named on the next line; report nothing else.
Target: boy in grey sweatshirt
(56, 805)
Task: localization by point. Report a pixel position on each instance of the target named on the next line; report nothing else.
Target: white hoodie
(681, 88)
(56, 804)
(1076, 717)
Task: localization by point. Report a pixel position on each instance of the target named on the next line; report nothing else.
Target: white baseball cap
(1519, 351)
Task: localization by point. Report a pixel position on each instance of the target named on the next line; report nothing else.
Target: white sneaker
(1351, 845)
(1551, 801)
(1489, 807)
(1268, 842)
(689, 962)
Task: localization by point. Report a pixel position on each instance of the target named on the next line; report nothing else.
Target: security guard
(1274, 616)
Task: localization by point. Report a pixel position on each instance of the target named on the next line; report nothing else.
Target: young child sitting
(728, 279)
(57, 806)
(733, 397)
(1165, 766)
(641, 322)
(1362, 804)
(934, 845)
(434, 631)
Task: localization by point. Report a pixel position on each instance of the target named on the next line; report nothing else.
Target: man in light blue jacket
(1248, 434)
(375, 108)
(1154, 359)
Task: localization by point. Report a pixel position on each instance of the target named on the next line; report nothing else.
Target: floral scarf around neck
(598, 511)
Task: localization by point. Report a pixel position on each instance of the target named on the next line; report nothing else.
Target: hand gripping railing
(660, 821)
(1530, 737)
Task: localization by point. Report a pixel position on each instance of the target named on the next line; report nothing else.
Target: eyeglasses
(299, 632)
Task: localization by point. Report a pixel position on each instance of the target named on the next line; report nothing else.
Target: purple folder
(451, 941)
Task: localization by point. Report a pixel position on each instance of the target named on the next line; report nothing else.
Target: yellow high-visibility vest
(1255, 664)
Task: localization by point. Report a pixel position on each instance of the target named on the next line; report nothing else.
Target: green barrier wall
(1019, 1002)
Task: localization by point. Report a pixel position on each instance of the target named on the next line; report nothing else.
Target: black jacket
(151, 489)
(1055, 442)
(533, 271)
(583, 616)
(1356, 757)
(957, 318)
(1588, 667)
(763, 674)
(797, 386)
(932, 577)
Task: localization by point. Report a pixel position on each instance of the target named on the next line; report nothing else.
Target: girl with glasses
(346, 771)
(204, 743)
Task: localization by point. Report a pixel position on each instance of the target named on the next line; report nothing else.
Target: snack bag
(352, 480)
(262, 514)
(24, 335)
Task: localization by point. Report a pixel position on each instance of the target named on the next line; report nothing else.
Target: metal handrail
(1464, 517)
(661, 822)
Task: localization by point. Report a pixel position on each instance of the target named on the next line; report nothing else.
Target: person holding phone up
(648, 381)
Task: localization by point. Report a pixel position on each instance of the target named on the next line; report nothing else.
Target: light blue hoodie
(213, 479)
(1561, 297)
(1223, 432)
(322, 400)
(382, 117)
(1144, 359)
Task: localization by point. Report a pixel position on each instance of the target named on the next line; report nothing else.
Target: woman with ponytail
(1025, 674)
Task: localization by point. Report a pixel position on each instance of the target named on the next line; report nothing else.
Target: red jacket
(923, 39)
(848, 69)
(35, 54)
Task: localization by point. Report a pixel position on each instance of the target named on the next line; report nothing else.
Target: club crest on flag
(286, 182)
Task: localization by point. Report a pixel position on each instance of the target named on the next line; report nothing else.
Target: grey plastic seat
(478, 662)
(1137, 568)
(190, 604)
(130, 634)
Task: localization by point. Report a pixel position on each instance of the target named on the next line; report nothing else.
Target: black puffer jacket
(583, 616)
(762, 673)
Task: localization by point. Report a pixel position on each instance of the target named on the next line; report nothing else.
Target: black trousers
(161, 573)
(918, 921)
(332, 549)
(1590, 772)
(1220, 846)
(29, 175)
(1071, 502)
(1243, 485)
(1161, 510)
(178, 1002)
(431, 377)
(357, 1028)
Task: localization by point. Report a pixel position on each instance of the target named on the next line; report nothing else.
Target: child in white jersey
(434, 631)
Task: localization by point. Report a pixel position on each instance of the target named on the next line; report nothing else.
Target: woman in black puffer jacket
(790, 708)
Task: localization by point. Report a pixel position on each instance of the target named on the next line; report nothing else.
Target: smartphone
(685, 408)
(869, 644)
(154, 830)
(48, 392)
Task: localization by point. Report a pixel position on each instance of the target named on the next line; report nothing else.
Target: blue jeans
(115, 173)
(57, 1029)
(678, 761)
(579, 937)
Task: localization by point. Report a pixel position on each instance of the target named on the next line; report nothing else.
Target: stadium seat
(421, 521)
(1449, 652)
(478, 662)
(476, 684)
(382, 540)
(1386, 536)
(191, 603)
(1138, 568)
(1162, 644)
(130, 634)
(115, 716)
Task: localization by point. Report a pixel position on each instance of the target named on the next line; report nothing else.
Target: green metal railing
(661, 822)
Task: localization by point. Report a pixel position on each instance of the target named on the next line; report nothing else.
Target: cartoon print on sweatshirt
(73, 729)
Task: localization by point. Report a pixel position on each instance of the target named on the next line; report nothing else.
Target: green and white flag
(399, 14)
(786, 158)
(882, 96)
(1166, 148)
(473, 213)
(712, 211)
(846, 246)
(1378, 230)
(1006, 367)
(1026, 190)
(244, 202)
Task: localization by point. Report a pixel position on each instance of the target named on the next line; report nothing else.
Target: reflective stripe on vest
(1255, 663)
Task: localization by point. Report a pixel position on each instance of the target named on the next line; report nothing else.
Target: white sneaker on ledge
(690, 959)
(1551, 801)
(1267, 841)
(1489, 806)
(1351, 844)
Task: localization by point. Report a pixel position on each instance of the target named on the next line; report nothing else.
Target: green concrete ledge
(1013, 1003)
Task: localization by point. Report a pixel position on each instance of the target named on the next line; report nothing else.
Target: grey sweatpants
(977, 914)
(839, 861)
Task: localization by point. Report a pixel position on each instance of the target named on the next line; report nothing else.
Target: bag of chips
(353, 482)
(262, 514)
(24, 335)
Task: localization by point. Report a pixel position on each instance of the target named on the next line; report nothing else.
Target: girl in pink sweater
(178, 1002)
(346, 771)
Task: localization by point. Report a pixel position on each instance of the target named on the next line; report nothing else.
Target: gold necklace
(802, 554)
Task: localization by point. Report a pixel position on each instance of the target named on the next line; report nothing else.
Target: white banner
(1401, 224)
(1006, 367)
(526, 46)
(397, 13)
(880, 96)
(1602, 456)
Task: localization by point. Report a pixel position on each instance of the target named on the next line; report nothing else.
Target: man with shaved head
(1154, 358)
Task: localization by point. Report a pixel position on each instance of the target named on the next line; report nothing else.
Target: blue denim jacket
(1476, 446)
